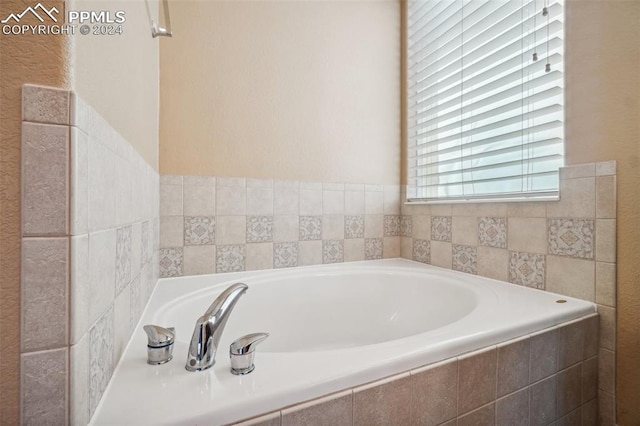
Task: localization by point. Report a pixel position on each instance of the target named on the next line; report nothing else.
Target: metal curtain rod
(156, 29)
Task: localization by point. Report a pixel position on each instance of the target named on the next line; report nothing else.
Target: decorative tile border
(305, 223)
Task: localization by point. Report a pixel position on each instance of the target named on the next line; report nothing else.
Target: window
(485, 98)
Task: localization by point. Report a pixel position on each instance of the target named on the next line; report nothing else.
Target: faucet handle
(159, 336)
(242, 352)
(159, 343)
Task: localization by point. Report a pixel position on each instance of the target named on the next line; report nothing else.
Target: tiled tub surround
(90, 253)
(219, 224)
(566, 246)
(546, 378)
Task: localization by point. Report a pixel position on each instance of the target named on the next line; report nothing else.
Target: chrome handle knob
(159, 344)
(242, 352)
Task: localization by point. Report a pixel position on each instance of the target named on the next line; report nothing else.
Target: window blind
(485, 98)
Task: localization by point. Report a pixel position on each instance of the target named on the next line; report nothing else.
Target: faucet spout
(209, 328)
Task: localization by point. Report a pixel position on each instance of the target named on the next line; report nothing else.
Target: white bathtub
(331, 327)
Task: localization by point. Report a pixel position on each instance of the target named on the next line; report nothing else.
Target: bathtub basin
(331, 327)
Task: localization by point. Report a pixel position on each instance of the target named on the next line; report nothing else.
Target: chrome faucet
(209, 328)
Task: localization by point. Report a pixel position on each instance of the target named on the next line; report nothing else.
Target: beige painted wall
(38, 60)
(118, 75)
(306, 90)
(603, 123)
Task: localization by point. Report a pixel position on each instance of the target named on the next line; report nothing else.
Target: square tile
(333, 410)
(434, 394)
(465, 259)
(569, 389)
(441, 228)
(544, 354)
(577, 199)
(590, 379)
(493, 263)
(606, 284)
(391, 247)
(286, 228)
(526, 234)
(333, 202)
(421, 251)
(171, 262)
(285, 255)
(542, 402)
(101, 341)
(373, 202)
(45, 171)
(513, 409)
(171, 203)
(354, 250)
(260, 201)
(44, 387)
(373, 226)
(606, 371)
(230, 258)
(606, 240)
(259, 229)
(45, 281)
(571, 277)
(391, 225)
(42, 104)
(123, 258)
(230, 200)
(606, 197)
(527, 269)
(492, 232)
(199, 260)
(406, 226)
(441, 254)
(310, 228)
(198, 200)
(286, 198)
(571, 237)
(230, 230)
(421, 225)
(354, 202)
(606, 168)
(373, 248)
(171, 234)
(332, 251)
(199, 230)
(333, 227)
(259, 256)
(483, 416)
(476, 379)
(354, 226)
(464, 230)
(607, 327)
(570, 344)
(310, 201)
(513, 366)
(309, 253)
(385, 403)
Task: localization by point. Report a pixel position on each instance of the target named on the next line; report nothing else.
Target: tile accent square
(354, 227)
(123, 258)
(391, 226)
(422, 251)
(571, 237)
(285, 255)
(259, 229)
(332, 251)
(527, 269)
(230, 258)
(492, 231)
(441, 228)
(406, 226)
(373, 248)
(199, 230)
(101, 340)
(171, 262)
(310, 228)
(465, 259)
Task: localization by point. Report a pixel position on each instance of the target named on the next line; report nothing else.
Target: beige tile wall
(219, 224)
(566, 246)
(544, 379)
(89, 257)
